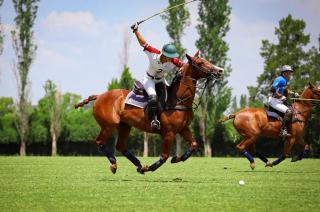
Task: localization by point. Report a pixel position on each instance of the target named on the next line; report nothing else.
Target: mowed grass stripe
(199, 184)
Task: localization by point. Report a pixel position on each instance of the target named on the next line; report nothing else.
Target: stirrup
(284, 134)
(155, 124)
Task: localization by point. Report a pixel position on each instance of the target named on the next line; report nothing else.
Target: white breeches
(277, 104)
(149, 84)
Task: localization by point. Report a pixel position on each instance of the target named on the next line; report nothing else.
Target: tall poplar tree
(213, 26)
(55, 99)
(25, 49)
(177, 20)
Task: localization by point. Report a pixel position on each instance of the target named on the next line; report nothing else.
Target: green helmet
(169, 50)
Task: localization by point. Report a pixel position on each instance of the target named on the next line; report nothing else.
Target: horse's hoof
(253, 165)
(175, 159)
(113, 168)
(139, 169)
(269, 164)
(295, 159)
(144, 169)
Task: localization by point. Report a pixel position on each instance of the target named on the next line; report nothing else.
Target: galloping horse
(252, 122)
(111, 113)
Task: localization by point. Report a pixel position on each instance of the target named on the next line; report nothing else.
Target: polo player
(278, 97)
(160, 62)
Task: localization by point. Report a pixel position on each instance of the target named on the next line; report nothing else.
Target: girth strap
(176, 107)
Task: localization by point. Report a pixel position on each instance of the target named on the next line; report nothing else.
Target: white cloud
(81, 22)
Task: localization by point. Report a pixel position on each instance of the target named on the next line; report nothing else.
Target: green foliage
(177, 20)
(213, 26)
(76, 125)
(8, 131)
(288, 51)
(126, 81)
(25, 49)
(200, 184)
(40, 122)
(79, 125)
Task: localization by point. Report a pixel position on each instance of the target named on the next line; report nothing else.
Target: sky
(80, 42)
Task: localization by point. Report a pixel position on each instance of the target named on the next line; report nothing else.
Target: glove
(297, 95)
(135, 27)
(283, 98)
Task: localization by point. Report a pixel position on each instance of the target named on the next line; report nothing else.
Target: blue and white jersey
(279, 84)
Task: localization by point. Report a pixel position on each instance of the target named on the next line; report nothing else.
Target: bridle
(311, 104)
(210, 76)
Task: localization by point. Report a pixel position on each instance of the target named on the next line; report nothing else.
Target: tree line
(55, 124)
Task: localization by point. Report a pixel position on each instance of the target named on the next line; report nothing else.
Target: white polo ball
(241, 182)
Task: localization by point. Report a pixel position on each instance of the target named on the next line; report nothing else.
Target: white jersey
(156, 68)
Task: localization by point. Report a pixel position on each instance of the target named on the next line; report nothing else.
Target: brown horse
(111, 113)
(252, 122)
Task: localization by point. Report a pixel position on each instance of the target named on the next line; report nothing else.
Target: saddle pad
(136, 100)
(273, 115)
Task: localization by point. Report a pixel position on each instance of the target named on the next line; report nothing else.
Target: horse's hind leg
(253, 151)
(187, 135)
(100, 141)
(123, 134)
(242, 148)
(304, 152)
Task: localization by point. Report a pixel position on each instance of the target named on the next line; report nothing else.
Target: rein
(210, 77)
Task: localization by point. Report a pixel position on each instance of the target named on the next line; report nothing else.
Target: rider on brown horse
(278, 97)
(159, 63)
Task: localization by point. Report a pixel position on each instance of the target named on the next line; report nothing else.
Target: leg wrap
(261, 157)
(247, 155)
(108, 154)
(132, 158)
(304, 153)
(157, 164)
(279, 160)
(187, 154)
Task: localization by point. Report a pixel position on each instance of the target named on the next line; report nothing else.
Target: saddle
(273, 113)
(139, 97)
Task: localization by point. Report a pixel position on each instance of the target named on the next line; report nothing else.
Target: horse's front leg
(124, 131)
(287, 149)
(187, 135)
(304, 152)
(167, 139)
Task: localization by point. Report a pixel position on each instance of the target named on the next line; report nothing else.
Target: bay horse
(111, 113)
(253, 122)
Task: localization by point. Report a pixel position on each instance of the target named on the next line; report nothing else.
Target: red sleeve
(151, 49)
(177, 62)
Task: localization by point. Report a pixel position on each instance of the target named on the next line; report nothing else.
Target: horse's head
(202, 68)
(315, 91)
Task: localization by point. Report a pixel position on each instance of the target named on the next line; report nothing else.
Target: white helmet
(286, 68)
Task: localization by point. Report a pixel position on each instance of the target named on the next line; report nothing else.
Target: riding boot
(153, 106)
(285, 124)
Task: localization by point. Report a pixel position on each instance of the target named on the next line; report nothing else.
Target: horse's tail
(86, 101)
(231, 116)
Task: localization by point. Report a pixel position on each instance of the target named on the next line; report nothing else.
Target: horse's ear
(311, 85)
(189, 57)
(197, 54)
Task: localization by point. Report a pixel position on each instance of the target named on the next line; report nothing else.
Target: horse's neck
(303, 107)
(183, 89)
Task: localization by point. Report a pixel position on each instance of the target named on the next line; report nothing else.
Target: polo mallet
(163, 11)
(301, 99)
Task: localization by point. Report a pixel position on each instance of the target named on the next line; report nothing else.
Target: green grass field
(200, 184)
